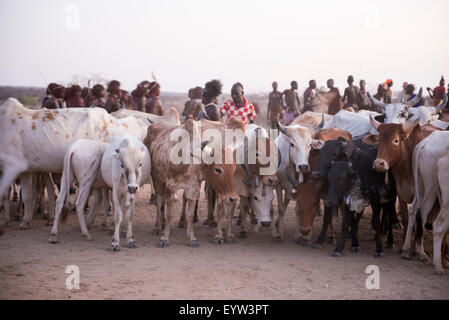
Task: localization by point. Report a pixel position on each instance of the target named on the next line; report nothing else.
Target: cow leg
(26, 181)
(354, 232)
(14, 169)
(229, 211)
(377, 226)
(348, 217)
(159, 204)
(190, 234)
(390, 211)
(97, 199)
(83, 196)
(164, 240)
(244, 207)
(211, 197)
(404, 216)
(60, 201)
(182, 220)
(218, 239)
(195, 215)
(440, 226)
(326, 221)
(427, 204)
(115, 245)
(411, 217)
(129, 231)
(107, 207)
(50, 186)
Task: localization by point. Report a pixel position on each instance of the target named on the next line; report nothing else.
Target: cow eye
(255, 198)
(396, 141)
(291, 144)
(140, 165)
(121, 165)
(218, 170)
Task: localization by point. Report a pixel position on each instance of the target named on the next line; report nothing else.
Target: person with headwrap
(196, 104)
(57, 98)
(388, 93)
(48, 94)
(438, 93)
(154, 104)
(212, 90)
(113, 100)
(187, 103)
(73, 97)
(140, 95)
(97, 98)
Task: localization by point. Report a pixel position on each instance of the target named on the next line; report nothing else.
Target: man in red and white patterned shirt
(238, 106)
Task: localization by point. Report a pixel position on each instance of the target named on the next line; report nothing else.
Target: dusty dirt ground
(252, 268)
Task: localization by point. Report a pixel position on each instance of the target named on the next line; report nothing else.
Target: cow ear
(116, 154)
(370, 139)
(317, 144)
(380, 118)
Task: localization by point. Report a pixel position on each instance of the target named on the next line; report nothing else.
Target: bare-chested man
(336, 104)
(275, 105)
(350, 95)
(309, 97)
(363, 101)
(154, 104)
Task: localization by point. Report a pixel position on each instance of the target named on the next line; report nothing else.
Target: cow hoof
(396, 226)
(277, 239)
(163, 243)
(243, 234)
(230, 240)
(53, 239)
(132, 245)
(356, 249)
(24, 226)
(317, 245)
(238, 222)
(330, 240)
(336, 254)
(379, 255)
(254, 221)
(440, 271)
(218, 240)
(302, 242)
(181, 225)
(405, 255)
(114, 248)
(195, 244)
(423, 258)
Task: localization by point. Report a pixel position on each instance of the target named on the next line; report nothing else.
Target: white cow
(404, 111)
(125, 167)
(294, 144)
(37, 141)
(171, 116)
(425, 157)
(357, 124)
(81, 163)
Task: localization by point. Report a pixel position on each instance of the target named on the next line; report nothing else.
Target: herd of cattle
(349, 160)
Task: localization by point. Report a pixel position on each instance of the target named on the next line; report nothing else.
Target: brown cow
(308, 197)
(395, 147)
(169, 177)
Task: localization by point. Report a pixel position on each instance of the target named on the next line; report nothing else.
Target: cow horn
(415, 100)
(292, 179)
(442, 104)
(321, 125)
(376, 102)
(281, 127)
(374, 122)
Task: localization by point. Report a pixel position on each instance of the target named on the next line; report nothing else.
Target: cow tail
(419, 228)
(68, 173)
(416, 178)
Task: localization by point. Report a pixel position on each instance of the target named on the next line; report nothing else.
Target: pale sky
(187, 43)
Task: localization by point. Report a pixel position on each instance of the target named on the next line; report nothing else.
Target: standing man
(211, 91)
(336, 104)
(275, 107)
(438, 93)
(309, 97)
(154, 104)
(363, 101)
(350, 95)
(238, 107)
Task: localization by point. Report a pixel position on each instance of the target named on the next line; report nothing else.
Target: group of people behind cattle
(288, 105)
(144, 98)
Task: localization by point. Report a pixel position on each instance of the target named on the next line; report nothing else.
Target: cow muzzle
(132, 188)
(303, 168)
(380, 165)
